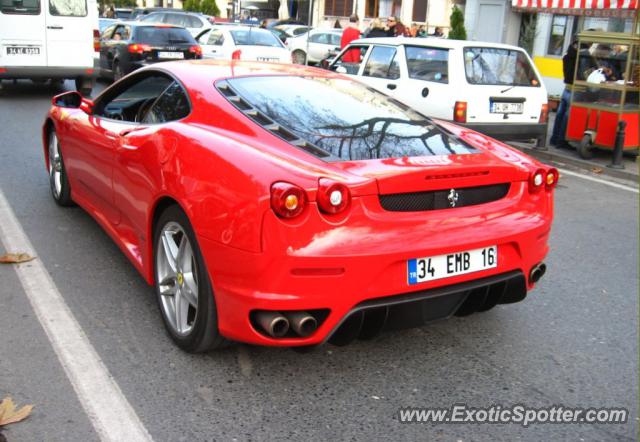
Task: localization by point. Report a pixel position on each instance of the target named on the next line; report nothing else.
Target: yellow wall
(549, 67)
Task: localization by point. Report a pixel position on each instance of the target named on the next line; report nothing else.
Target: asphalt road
(574, 341)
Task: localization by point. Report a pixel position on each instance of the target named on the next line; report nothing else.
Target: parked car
(280, 34)
(195, 23)
(489, 87)
(292, 30)
(321, 43)
(123, 13)
(138, 13)
(127, 46)
(241, 42)
(49, 40)
(290, 206)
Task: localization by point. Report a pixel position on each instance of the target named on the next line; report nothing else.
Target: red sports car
(289, 206)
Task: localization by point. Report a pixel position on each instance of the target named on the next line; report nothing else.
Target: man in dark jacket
(562, 115)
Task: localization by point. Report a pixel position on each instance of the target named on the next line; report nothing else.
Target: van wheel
(84, 86)
(117, 71)
(585, 150)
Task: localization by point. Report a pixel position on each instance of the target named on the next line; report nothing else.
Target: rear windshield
(255, 37)
(158, 35)
(346, 119)
(28, 7)
(498, 66)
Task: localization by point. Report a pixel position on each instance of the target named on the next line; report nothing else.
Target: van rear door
(22, 33)
(70, 26)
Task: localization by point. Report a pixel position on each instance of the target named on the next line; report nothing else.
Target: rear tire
(58, 181)
(299, 57)
(183, 288)
(585, 149)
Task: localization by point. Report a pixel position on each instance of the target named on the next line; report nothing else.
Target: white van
(492, 88)
(49, 40)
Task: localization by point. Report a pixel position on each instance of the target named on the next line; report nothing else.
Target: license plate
(507, 108)
(23, 50)
(453, 264)
(266, 59)
(171, 55)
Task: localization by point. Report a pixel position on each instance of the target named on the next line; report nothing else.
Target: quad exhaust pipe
(277, 325)
(302, 323)
(273, 323)
(537, 272)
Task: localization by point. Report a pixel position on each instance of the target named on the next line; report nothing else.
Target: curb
(548, 156)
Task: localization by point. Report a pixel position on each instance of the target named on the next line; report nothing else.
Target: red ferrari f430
(289, 206)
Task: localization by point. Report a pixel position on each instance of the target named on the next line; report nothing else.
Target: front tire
(183, 288)
(58, 181)
(585, 150)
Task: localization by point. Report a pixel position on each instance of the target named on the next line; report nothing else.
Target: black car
(125, 47)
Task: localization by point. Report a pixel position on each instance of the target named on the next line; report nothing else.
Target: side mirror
(71, 99)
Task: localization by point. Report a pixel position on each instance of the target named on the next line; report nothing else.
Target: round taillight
(552, 178)
(537, 180)
(332, 197)
(287, 200)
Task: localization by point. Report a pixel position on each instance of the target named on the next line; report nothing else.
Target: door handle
(127, 131)
(55, 27)
(391, 86)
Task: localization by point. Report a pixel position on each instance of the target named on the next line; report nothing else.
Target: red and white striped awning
(576, 4)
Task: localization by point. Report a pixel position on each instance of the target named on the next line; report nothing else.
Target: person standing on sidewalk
(351, 33)
(562, 115)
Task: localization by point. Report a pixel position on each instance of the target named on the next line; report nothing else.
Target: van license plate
(171, 55)
(507, 108)
(23, 50)
(453, 264)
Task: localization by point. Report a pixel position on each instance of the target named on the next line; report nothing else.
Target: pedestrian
(437, 32)
(562, 114)
(414, 30)
(336, 24)
(391, 27)
(401, 30)
(263, 24)
(111, 13)
(351, 33)
(422, 32)
(376, 29)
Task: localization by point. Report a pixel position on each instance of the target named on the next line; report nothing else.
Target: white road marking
(113, 418)
(599, 180)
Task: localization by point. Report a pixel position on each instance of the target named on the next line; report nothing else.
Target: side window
(172, 105)
(174, 19)
(68, 8)
(193, 22)
(349, 62)
(382, 63)
(129, 102)
(335, 39)
(215, 38)
(25, 7)
(107, 33)
(319, 38)
(122, 32)
(153, 18)
(429, 64)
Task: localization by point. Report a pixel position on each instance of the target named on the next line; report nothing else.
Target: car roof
(138, 24)
(432, 42)
(174, 11)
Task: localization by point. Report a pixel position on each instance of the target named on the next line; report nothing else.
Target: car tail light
(332, 197)
(551, 178)
(136, 48)
(544, 113)
(536, 180)
(96, 40)
(460, 112)
(236, 54)
(287, 200)
(197, 50)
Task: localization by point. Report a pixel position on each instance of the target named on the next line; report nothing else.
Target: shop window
(384, 8)
(558, 31)
(338, 8)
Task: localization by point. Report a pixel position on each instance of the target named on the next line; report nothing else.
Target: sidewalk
(598, 164)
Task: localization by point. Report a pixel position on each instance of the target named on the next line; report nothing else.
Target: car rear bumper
(44, 72)
(510, 131)
(360, 265)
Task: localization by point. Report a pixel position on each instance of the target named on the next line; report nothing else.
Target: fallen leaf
(596, 170)
(15, 258)
(8, 413)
